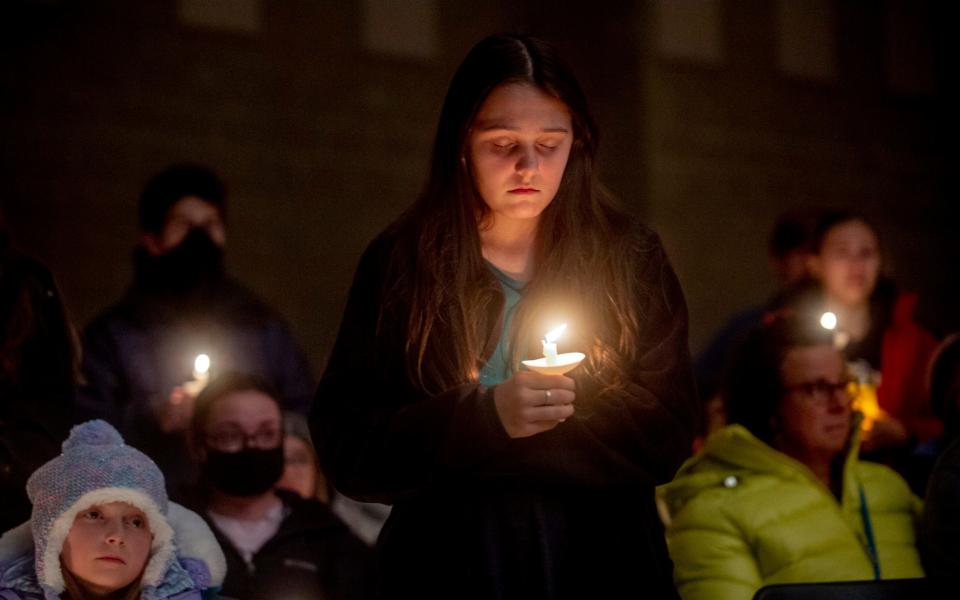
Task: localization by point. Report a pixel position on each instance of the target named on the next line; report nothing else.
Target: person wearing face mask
(138, 356)
(277, 544)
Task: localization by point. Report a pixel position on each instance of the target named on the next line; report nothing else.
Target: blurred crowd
(228, 437)
(179, 421)
(829, 412)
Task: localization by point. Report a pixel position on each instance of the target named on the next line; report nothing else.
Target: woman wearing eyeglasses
(277, 544)
(779, 495)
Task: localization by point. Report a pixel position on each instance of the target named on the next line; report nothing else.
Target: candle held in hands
(553, 363)
(201, 375)
(201, 367)
(550, 343)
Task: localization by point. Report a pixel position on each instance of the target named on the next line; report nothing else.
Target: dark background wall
(715, 115)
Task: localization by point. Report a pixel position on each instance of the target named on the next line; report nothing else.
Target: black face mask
(249, 472)
(195, 261)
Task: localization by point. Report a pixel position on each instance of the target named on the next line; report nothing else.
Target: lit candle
(828, 320)
(201, 375)
(550, 344)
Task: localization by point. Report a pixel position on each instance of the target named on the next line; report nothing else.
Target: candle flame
(201, 364)
(828, 320)
(556, 332)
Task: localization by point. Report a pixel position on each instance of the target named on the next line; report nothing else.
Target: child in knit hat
(102, 527)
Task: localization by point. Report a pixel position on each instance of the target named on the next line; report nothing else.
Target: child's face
(108, 546)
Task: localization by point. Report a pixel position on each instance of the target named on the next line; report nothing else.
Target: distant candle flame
(201, 364)
(556, 332)
(828, 320)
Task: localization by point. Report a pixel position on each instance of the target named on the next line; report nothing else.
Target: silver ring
(547, 394)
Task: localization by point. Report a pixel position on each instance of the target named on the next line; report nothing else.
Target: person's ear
(151, 243)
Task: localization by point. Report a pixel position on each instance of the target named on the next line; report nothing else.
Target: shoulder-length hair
(437, 283)
(753, 386)
(39, 350)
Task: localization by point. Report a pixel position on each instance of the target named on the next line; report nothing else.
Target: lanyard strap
(868, 529)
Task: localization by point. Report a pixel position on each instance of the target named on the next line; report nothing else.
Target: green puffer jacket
(744, 515)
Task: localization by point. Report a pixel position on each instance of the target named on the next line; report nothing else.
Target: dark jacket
(940, 525)
(32, 427)
(37, 377)
(140, 349)
(313, 555)
(566, 513)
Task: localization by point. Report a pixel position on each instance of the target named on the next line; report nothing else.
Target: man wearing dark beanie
(140, 356)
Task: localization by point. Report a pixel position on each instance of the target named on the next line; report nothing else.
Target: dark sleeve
(940, 523)
(290, 369)
(355, 568)
(31, 431)
(105, 391)
(710, 364)
(640, 430)
(101, 390)
(378, 437)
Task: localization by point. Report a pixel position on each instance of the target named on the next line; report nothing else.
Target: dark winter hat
(173, 184)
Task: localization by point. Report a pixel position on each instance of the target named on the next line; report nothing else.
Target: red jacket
(905, 359)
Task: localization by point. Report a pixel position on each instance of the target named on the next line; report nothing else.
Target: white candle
(201, 375)
(550, 352)
(201, 368)
(550, 344)
(828, 320)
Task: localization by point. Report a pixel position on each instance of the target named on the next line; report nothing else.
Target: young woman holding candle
(507, 482)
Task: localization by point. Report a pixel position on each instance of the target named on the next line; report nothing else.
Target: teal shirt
(498, 367)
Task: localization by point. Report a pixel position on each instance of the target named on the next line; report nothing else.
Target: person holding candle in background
(277, 543)
(505, 481)
(142, 358)
(874, 325)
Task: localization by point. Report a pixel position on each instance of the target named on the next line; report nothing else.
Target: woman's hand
(174, 415)
(530, 403)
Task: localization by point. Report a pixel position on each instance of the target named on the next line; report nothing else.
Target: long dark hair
(438, 284)
(832, 218)
(39, 351)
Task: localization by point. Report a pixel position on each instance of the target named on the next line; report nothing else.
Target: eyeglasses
(234, 439)
(821, 391)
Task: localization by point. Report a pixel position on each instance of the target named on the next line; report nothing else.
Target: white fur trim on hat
(161, 550)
